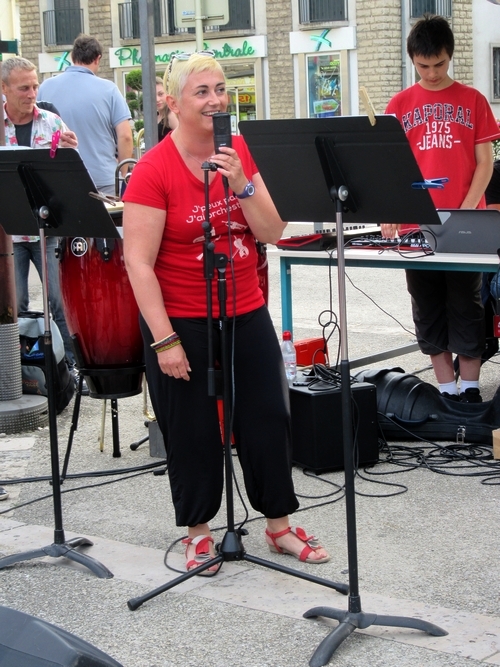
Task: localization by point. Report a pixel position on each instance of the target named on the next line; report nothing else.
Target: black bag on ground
(31, 330)
(409, 408)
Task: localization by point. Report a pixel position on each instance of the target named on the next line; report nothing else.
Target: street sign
(8, 46)
(214, 12)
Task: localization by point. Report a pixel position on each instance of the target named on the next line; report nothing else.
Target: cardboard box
(496, 443)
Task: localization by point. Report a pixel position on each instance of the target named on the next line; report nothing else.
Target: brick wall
(31, 30)
(281, 91)
(100, 28)
(462, 29)
(379, 50)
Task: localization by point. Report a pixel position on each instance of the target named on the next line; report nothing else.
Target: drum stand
(231, 548)
(51, 186)
(114, 421)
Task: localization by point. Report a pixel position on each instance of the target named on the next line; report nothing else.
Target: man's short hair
(429, 37)
(85, 50)
(15, 63)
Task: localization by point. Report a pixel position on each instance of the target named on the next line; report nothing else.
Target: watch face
(248, 191)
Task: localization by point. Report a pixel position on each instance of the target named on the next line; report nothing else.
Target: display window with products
(241, 104)
(241, 89)
(324, 82)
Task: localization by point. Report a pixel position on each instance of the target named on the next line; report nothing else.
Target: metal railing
(322, 11)
(241, 14)
(439, 7)
(62, 26)
(128, 17)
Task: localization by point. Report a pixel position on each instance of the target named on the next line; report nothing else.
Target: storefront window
(241, 90)
(324, 85)
(241, 102)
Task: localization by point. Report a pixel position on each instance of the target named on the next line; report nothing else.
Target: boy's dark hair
(429, 36)
(85, 50)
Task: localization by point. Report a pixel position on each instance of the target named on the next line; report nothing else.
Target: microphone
(222, 130)
(222, 135)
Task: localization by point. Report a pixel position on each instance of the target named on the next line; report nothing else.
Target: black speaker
(27, 641)
(317, 434)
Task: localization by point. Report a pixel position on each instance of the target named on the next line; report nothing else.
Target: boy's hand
(389, 231)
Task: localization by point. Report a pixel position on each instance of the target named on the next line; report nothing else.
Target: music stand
(49, 196)
(370, 174)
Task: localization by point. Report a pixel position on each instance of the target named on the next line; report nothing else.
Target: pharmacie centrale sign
(130, 56)
(250, 47)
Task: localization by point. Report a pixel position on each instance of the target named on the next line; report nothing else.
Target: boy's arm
(482, 175)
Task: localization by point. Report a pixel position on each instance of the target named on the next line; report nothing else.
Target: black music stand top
(374, 162)
(31, 179)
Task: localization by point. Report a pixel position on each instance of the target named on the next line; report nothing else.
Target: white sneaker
(3, 493)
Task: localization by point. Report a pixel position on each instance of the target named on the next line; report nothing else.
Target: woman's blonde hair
(181, 67)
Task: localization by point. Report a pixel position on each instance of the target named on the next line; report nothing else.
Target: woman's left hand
(230, 166)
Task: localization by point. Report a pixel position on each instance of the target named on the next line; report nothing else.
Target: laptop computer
(476, 232)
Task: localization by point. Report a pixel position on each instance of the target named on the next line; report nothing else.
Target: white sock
(449, 388)
(468, 384)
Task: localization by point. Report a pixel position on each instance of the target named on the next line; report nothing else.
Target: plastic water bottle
(289, 356)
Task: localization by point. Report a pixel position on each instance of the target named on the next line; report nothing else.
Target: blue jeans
(25, 252)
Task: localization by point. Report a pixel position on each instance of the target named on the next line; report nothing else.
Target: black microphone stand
(231, 547)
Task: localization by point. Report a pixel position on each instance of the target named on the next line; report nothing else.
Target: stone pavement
(427, 535)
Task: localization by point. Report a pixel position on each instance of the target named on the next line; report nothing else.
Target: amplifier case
(317, 434)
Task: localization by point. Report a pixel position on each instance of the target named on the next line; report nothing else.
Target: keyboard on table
(358, 238)
(325, 239)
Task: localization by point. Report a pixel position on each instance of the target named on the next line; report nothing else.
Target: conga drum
(102, 314)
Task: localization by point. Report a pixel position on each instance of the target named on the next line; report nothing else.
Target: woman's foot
(294, 541)
(199, 550)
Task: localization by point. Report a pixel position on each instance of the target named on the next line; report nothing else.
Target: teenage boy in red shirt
(450, 128)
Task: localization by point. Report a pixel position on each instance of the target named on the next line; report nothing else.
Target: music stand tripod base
(348, 622)
(67, 550)
(47, 195)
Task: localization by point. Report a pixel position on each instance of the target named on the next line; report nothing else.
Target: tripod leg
(408, 622)
(330, 644)
(115, 429)
(62, 550)
(92, 564)
(135, 603)
(339, 587)
(74, 426)
(18, 558)
(140, 442)
(103, 424)
(79, 542)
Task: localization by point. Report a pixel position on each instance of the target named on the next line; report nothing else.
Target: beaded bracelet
(164, 341)
(168, 346)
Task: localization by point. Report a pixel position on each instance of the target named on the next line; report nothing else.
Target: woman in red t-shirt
(164, 243)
